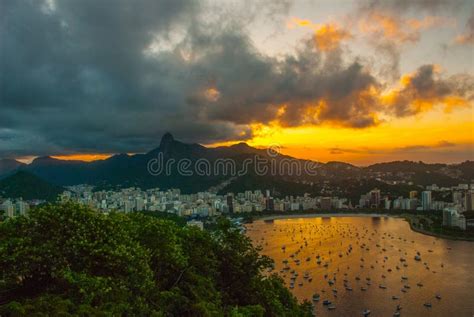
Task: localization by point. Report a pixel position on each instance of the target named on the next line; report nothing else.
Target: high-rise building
(397, 203)
(375, 198)
(127, 206)
(452, 217)
(270, 206)
(139, 204)
(447, 218)
(326, 203)
(469, 201)
(248, 194)
(22, 207)
(413, 204)
(9, 208)
(413, 194)
(426, 200)
(364, 201)
(295, 206)
(230, 203)
(457, 198)
(267, 193)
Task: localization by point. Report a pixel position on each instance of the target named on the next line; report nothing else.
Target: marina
(360, 266)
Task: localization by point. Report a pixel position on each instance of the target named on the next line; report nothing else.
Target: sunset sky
(336, 80)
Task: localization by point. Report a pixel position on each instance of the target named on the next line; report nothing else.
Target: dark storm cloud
(416, 5)
(304, 88)
(113, 76)
(93, 76)
(75, 78)
(72, 76)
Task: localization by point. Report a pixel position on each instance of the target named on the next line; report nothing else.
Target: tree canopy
(67, 260)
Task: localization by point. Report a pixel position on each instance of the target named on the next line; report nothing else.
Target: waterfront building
(452, 217)
(426, 200)
(374, 198)
(326, 203)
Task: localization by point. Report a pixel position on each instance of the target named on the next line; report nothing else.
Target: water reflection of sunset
(378, 245)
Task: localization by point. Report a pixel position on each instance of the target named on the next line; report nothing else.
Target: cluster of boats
(320, 253)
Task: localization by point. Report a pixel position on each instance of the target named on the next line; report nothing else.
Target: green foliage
(28, 186)
(66, 259)
(167, 216)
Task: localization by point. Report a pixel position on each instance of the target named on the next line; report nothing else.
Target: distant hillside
(28, 186)
(466, 168)
(8, 166)
(124, 170)
(405, 166)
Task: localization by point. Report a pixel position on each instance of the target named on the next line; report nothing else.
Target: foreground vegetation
(70, 260)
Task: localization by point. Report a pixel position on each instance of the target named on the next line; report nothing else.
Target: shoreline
(437, 235)
(371, 215)
(325, 215)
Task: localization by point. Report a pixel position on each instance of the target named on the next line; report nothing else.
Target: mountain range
(124, 170)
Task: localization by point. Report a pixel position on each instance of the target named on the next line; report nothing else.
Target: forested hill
(28, 186)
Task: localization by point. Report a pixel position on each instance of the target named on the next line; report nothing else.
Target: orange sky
(83, 157)
(434, 136)
(412, 138)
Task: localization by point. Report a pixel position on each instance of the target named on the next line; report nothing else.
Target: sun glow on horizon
(411, 138)
(82, 157)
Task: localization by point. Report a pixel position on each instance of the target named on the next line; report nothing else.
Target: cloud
(77, 77)
(396, 28)
(91, 77)
(339, 151)
(425, 89)
(306, 88)
(414, 148)
(441, 145)
(442, 151)
(391, 26)
(404, 6)
(327, 36)
(468, 36)
(390, 32)
(88, 77)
